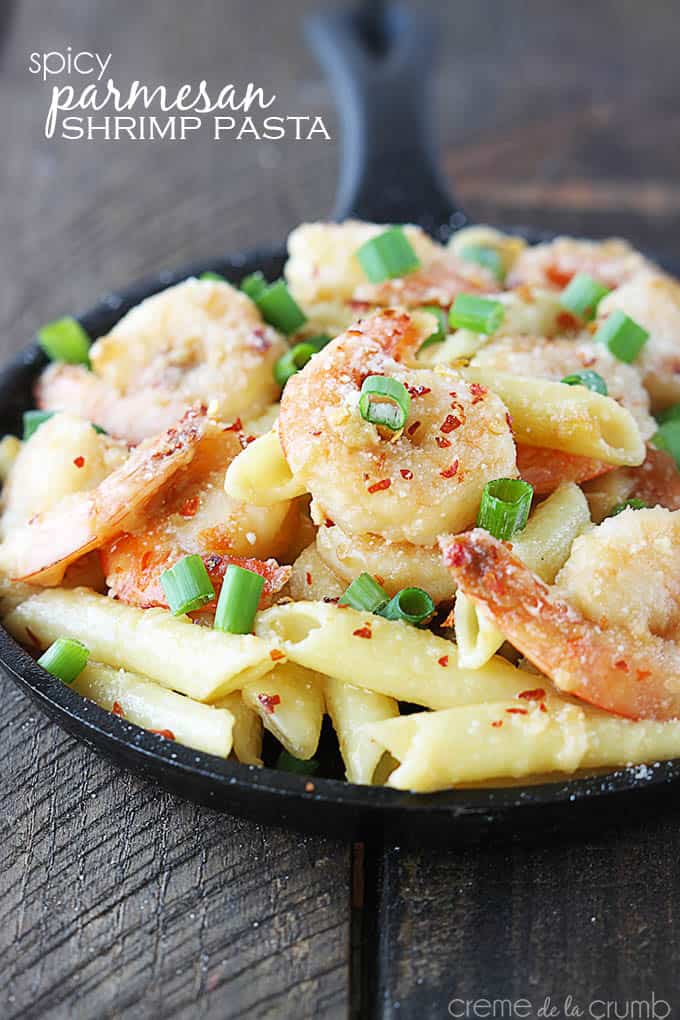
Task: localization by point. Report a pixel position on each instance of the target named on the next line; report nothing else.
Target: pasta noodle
(203, 664)
(568, 418)
(385, 656)
(144, 703)
(260, 475)
(290, 703)
(247, 731)
(350, 708)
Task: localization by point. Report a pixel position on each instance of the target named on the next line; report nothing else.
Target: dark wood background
(117, 900)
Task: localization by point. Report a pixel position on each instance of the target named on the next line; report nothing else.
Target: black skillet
(378, 68)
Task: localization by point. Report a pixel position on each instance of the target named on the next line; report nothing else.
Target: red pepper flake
(317, 433)
(517, 711)
(246, 441)
(364, 632)
(79, 462)
(308, 578)
(622, 665)
(418, 391)
(443, 661)
(189, 507)
(380, 486)
(542, 707)
(269, 702)
(643, 674)
(276, 654)
(565, 320)
(558, 276)
(449, 424)
(478, 392)
(413, 428)
(168, 734)
(450, 472)
(117, 709)
(236, 426)
(536, 694)
(441, 442)
(309, 787)
(406, 473)
(496, 723)
(328, 523)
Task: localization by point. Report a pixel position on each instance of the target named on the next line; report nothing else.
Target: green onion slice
(487, 257)
(591, 380)
(33, 420)
(279, 308)
(187, 586)
(634, 504)
(387, 256)
(622, 336)
(669, 414)
(384, 401)
(413, 605)
(505, 506)
(238, 601)
(214, 277)
(365, 594)
(66, 658)
(442, 329)
(65, 340)
(292, 361)
(476, 313)
(668, 438)
(254, 285)
(289, 763)
(318, 342)
(582, 296)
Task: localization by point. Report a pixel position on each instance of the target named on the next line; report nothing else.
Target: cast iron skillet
(388, 174)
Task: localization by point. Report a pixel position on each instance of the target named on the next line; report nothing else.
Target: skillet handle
(378, 69)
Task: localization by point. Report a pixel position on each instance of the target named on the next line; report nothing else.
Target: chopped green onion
(505, 506)
(476, 313)
(254, 285)
(238, 601)
(66, 658)
(622, 336)
(365, 594)
(634, 504)
(582, 296)
(65, 340)
(387, 256)
(33, 420)
(413, 605)
(591, 380)
(187, 586)
(289, 763)
(669, 414)
(292, 361)
(99, 429)
(214, 277)
(487, 257)
(384, 401)
(279, 308)
(442, 326)
(668, 438)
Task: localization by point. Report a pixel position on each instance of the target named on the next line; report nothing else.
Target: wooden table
(118, 900)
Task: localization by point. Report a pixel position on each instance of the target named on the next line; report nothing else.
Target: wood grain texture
(118, 900)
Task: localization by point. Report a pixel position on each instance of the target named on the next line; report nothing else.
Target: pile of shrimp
(184, 383)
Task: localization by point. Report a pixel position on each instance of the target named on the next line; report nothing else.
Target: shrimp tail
(603, 666)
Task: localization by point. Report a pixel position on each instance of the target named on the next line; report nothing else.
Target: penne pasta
(145, 704)
(203, 664)
(573, 419)
(10, 448)
(247, 731)
(290, 703)
(260, 474)
(500, 741)
(385, 656)
(350, 708)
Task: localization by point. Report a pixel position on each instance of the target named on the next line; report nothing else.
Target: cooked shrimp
(608, 632)
(199, 341)
(656, 482)
(653, 301)
(436, 283)
(546, 470)
(41, 549)
(416, 484)
(191, 513)
(553, 264)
